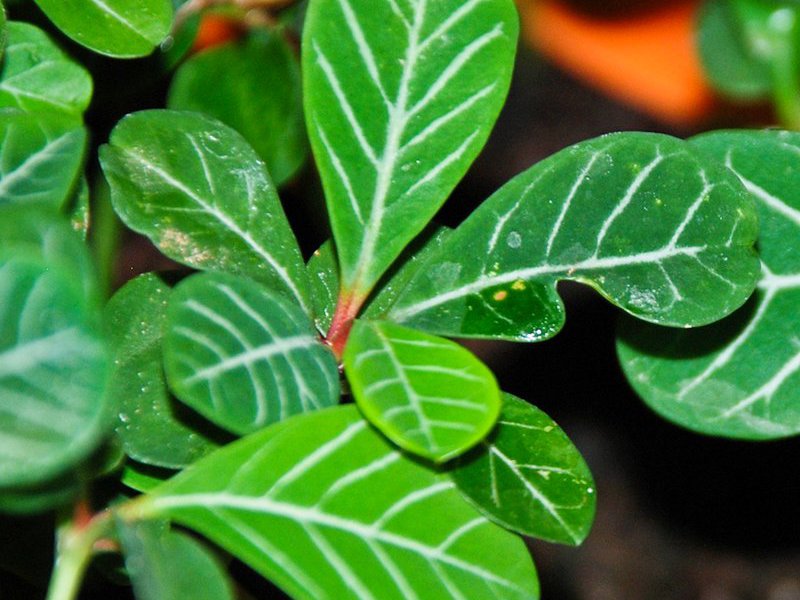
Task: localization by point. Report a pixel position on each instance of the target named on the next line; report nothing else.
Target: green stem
(76, 543)
(105, 234)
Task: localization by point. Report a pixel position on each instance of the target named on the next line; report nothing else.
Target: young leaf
(427, 394)
(149, 425)
(528, 477)
(40, 158)
(53, 370)
(117, 28)
(739, 377)
(323, 277)
(256, 91)
(655, 227)
(199, 191)
(79, 209)
(399, 99)
(37, 76)
(242, 356)
(169, 565)
(327, 508)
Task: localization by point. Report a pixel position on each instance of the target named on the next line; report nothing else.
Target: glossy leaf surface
(323, 276)
(169, 565)
(656, 228)
(399, 99)
(153, 428)
(119, 28)
(40, 158)
(739, 377)
(255, 90)
(242, 356)
(199, 191)
(52, 373)
(427, 394)
(335, 511)
(37, 76)
(529, 477)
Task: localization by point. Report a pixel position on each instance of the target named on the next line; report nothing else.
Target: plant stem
(346, 311)
(76, 541)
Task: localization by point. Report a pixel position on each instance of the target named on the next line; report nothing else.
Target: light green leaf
(740, 377)
(53, 370)
(37, 76)
(255, 90)
(528, 477)
(150, 423)
(143, 478)
(326, 508)
(119, 28)
(399, 98)
(655, 227)
(427, 394)
(199, 191)
(243, 357)
(169, 565)
(78, 208)
(40, 158)
(323, 276)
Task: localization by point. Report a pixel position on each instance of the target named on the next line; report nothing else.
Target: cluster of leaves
(416, 488)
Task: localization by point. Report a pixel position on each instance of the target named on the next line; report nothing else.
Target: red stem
(346, 311)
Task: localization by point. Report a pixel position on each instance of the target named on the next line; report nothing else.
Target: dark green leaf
(658, 229)
(150, 425)
(40, 158)
(528, 477)
(169, 565)
(119, 28)
(37, 76)
(399, 100)
(740, 377)
(326, 508)
(32, 499)
(427, 394)
(242, 356)
(323, 276)
(253, 86)
(200, 192)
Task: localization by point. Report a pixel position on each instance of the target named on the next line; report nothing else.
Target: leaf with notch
(256, 91)
(428, 395)
(529, 477)
(150, 425)
(164, 564)
(118, 28)
(654, 226)
(399, 98)
(53, 368)
(740, 377)
(327, 508)
(197, 189)
(37, 76)
(242, 356)
(40, 158)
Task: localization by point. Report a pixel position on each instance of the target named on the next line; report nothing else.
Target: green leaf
(199, 191)
(150, 425)
(143, 478)
(253, 86)
(3, 30)
(169, 565)
(117, 28)
(53, 370)
(652, 225)
(80, 215)
(740, 377)
(37, 76)
(326, 508)
(323, 277)
(399, 98)
(243, 357)
(528, 477)
(427, 394)
(40, 158)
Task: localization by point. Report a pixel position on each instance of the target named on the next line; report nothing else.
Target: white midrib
(313, 516)
(103, 6)
(388, 161)
(53, 147)
(529, 273)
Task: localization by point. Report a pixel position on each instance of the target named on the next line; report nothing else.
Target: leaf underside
(337, 512)
(654, 226)
(740, 377)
